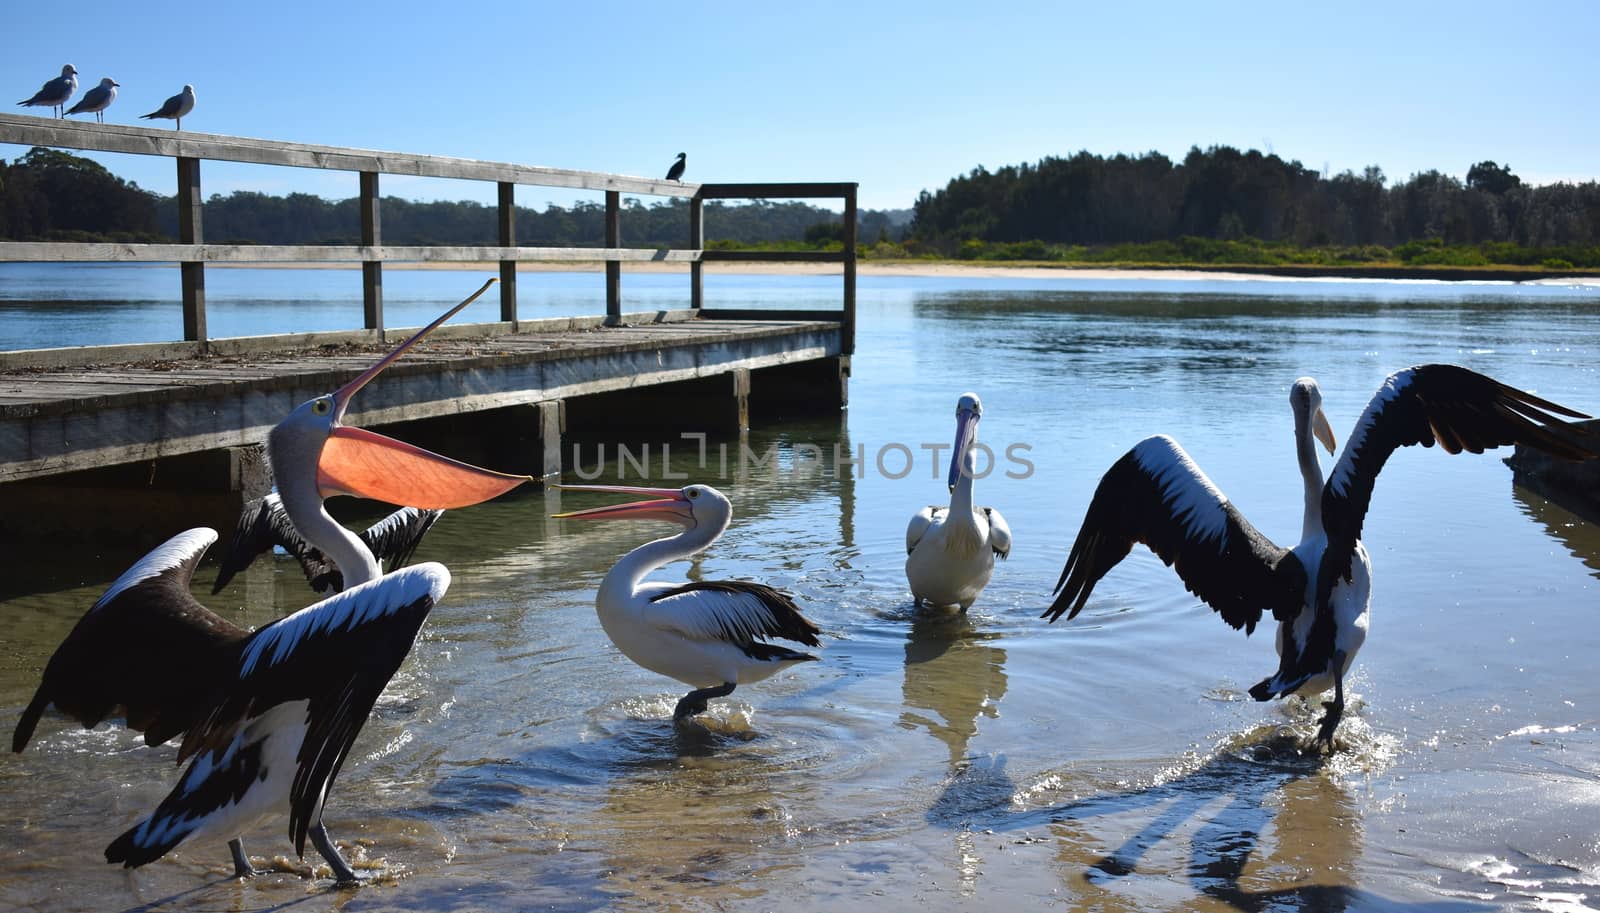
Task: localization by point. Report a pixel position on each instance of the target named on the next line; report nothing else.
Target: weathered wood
(773, 256)
(67, 251)
(190, 232)
(28, 130)
(848, 330)
(613, 269)
(371, 271)
(507, 215)
(80, 356)
(79, 422)
(787, 191)
(697, 240)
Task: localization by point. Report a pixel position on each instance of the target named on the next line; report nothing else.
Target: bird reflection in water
(952, 673)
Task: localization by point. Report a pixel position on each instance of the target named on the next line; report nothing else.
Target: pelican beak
(966, 431)
(343, 395)
(665, 504)
(1322, 430)
(366, 464)
(355, 461)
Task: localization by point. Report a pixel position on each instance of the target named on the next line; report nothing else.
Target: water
(991, 761)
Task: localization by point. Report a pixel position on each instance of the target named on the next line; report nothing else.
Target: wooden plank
(371, 271)
(73, 252)
(507, 217)
(29, 130)
(780, 191)
(613, 269)
(848, 329)
(773, 256)
(697, 241)
(193, 273)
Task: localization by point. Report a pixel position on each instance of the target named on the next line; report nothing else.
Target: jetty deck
(86, 428)
(66, 419)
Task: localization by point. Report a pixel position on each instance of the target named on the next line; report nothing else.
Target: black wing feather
(1453, 406)
(782, 617)
(364, 653)
(1157, 496)
(264, 524)
(148, 649)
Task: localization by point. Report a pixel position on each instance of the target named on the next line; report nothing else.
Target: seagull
(56, 92)
(675, 173)
(175, 107)
(267, 718)
(950, 552)
(96, 100)
(711, 634)
(1319, 591)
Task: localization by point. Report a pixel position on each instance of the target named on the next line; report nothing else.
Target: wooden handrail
(192, 253)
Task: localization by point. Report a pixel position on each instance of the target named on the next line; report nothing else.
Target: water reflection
(1581, 538)
(954, 675)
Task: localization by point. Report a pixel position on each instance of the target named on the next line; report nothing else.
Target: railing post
(697, 241)
(508, 238)
(371, 270)
(613, 267)
(189, 232)
(847, 327)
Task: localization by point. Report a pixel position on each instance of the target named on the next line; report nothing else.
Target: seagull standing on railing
(96, 100)
(56, 92)
(175, 107)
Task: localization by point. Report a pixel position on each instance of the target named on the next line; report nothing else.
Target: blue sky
(899, 97)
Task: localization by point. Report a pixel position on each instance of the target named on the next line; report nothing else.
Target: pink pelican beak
(366, 464)
(665, 504)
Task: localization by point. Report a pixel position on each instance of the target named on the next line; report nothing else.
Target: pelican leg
(1335, 707)
(342, 873)
(241, 862)
(695, 701)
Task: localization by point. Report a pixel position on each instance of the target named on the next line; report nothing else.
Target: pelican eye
(693, 492)
(322, 407)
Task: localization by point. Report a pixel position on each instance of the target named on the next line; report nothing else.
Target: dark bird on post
(675, 173)
(55, 93)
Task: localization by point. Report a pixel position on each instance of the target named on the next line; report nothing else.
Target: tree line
(48, 194)
(1224, 194)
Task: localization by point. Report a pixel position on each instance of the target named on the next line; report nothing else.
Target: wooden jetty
(189, 416)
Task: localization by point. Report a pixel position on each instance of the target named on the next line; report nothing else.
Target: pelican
(1320, 590)
(675, 173)
(950, 552)
(55, 93)
(269, 716)
(175, 107)
(710, 635)
(96, 100)
(264, 523)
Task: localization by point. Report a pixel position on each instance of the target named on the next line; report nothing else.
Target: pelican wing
(921, 522)
(264, 524)
(999, 533)
(337, 655)
(146, 647)
(1156, 495)
(736, 611)
(1455, 407)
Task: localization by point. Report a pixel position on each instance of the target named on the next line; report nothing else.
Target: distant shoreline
(999, 270)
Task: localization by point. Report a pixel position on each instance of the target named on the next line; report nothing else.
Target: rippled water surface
(990, 761)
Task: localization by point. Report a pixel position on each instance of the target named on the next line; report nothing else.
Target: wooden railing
(192, 253)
